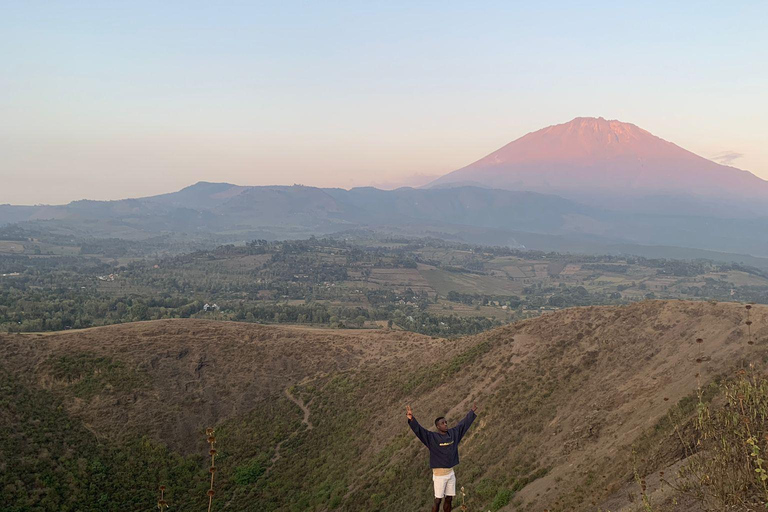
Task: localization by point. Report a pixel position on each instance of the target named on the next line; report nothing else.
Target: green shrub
(248, 473)
(503, 497)
(486, 489)
(335, 501)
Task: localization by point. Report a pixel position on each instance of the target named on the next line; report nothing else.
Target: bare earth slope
(314, 419)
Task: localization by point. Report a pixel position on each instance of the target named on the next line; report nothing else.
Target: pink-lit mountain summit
(590, 157)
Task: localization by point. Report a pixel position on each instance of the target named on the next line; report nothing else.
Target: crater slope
(311, 419)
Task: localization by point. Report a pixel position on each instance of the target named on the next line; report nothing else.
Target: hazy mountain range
(587, 185)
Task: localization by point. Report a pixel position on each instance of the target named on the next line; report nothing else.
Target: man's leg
(439, 482)
(450, 492)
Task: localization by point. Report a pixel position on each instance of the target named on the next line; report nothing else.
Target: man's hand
(474, 408)
(408, 412)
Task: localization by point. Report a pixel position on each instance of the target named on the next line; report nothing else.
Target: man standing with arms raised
(443, 453)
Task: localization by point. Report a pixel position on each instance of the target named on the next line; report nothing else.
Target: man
(443, 453)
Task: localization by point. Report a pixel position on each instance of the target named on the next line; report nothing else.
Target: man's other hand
(408, 412)
(474, 408)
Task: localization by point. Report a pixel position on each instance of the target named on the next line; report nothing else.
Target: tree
(140, 311)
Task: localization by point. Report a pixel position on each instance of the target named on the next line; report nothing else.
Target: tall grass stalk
(212, 470)
(161, 503)
(729, 471)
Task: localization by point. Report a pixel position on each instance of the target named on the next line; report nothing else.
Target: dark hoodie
(443, 448)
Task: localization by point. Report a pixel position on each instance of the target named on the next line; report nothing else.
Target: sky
(107, 100)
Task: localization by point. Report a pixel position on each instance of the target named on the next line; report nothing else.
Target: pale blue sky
(113, 99)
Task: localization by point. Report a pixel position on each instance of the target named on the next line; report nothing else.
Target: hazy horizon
(108, 102)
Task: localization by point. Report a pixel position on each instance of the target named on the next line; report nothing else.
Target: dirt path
(305, 421)
(301, 405)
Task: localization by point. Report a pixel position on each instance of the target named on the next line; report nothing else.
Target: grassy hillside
(311, 419)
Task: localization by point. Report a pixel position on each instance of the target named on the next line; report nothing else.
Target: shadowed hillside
(311, 419)
(205, 215)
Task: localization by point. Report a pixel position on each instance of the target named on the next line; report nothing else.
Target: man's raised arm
(420, 431)
(462, 427)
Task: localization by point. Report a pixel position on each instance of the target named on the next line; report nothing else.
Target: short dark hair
(438, 419)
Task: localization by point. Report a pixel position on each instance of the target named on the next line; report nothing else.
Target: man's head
(441, 424)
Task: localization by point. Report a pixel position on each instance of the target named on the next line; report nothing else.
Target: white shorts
(445, 485)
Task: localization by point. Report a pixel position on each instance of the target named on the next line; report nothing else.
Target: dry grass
(563, 398)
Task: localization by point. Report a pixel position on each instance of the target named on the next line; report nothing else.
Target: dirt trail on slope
(211, 370)
(305, 420)
(301, 405)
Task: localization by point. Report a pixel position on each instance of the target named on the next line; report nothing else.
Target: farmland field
(444, 281)
(11, 247)
(425, 286)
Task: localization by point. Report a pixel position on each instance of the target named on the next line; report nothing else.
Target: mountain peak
(598, 124)
(593, 155)
(600, 129)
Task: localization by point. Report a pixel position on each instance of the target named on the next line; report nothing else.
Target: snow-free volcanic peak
(589, 156)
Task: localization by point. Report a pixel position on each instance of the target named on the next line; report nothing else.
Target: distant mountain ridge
(591, 158)
(588, 185)
(214, 206)
(216, 213)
